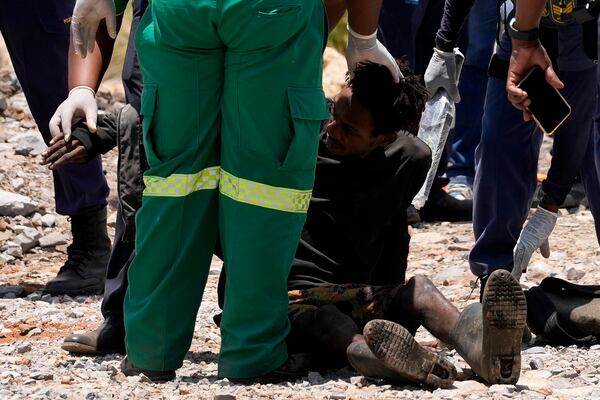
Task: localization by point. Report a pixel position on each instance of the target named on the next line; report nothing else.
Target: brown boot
(488, 335)
(397, 349)
(109, 338)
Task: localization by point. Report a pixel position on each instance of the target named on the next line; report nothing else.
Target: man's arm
(527, 54)
(85, 75)
(363, 17)
(443, 71)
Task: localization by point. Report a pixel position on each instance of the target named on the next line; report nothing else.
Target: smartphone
(548, 107)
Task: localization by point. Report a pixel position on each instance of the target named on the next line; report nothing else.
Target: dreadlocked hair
(394, 106)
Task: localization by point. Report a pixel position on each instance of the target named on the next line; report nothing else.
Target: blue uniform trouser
(123, 251)
(473, 81)
(506, 158)
(37, 39)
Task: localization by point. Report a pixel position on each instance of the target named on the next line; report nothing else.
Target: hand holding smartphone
(548, 107)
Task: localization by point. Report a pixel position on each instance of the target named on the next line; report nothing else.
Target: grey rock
(3, 104)
(6, 258)
(12, 204)
(52, 239)
(315, 378)
(24, 348)
(224, 397)
(536, 363)
(14, 250)
(48, 220)
(575, 274)
(15, 290)
(34, 332)
(35, 296)
(29, 144)
(535, 350)
(43, 377)
(26, 242)
(17, 183)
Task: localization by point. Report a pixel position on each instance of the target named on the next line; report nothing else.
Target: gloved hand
(80, 103)
(534, 235)
(368, 48)
(443, 71)
(87, 15)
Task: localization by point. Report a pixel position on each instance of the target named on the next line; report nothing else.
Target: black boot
(85, 269)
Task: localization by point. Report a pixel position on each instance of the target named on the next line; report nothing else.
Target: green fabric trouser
(231, 109)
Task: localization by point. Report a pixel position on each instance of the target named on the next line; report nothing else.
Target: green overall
(232, 106)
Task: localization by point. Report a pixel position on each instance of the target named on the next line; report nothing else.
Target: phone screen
(548, 107)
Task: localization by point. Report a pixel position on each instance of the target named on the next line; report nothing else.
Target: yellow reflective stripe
(261, 195)
(178, 185)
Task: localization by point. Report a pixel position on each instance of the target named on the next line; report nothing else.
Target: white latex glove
(534, 235)
(80, 103)
(87, 15)
(368, 48)
(443, 72)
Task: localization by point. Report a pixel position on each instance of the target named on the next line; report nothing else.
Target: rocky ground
(33, 240)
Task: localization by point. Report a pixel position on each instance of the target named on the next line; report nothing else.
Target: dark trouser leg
(38, 40)
(420, 303)
(124, 250)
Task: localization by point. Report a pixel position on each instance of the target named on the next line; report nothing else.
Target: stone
(224, 397)
(575, 274)
(34, 332)
(29, 144)
(315, 378)
(534, 350)
(26, 242)
(14, 250)
(6, 258)
(359, 381)
(16, 290)
(470, 386)
(48, 220)
(12, 204)
(24, 348)
(52, 239)
(17, 183)
(536, 363)
(43, 377)
(66, 380)
(501, 389)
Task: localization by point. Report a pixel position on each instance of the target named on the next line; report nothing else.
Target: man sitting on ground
(349, 269)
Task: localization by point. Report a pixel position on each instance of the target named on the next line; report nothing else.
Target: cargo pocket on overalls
(308, 109)
(147, 111)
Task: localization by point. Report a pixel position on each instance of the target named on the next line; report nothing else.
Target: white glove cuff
(359, 36)
(83, 87)
(549, 213)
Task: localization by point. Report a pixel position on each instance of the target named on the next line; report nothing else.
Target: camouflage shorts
(362, 303)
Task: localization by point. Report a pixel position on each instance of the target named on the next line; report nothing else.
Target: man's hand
(87, 15)
(62, 152)
(368, 48)
(443, 72)
(534, 235)
(81, 103)
(526, 55)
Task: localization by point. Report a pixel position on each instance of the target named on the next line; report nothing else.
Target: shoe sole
(80, 348)
(399, 351)
(504, 318)
(92, 290)
(155, 376)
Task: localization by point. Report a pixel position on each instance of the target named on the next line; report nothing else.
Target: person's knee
(420, 155)
(422, 288)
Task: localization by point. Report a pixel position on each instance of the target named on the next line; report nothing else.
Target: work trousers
(231, 109)
(37, 38)
(473, 81)
(123, 249)
(506, 158)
